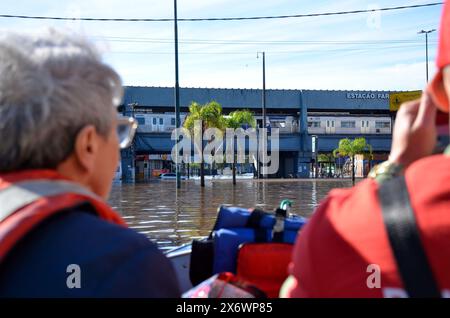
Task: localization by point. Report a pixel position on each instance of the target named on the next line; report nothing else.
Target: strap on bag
(254, 221)
(399, 219)
(278, 228)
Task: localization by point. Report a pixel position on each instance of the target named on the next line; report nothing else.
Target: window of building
(314, 124)
(382, 124)
(348, 124)
(140, 120)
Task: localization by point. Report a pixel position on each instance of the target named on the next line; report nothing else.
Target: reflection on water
(171, 218)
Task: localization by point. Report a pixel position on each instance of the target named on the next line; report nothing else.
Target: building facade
(300, 115)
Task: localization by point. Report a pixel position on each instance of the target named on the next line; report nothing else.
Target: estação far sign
(367, 95)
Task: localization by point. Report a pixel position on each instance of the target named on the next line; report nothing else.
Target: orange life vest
(27, 198)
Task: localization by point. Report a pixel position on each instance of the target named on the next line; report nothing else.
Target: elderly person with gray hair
(60, 140)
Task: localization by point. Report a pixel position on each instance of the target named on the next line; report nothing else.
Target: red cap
(436, 87)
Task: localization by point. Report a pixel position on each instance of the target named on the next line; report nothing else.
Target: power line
(222, 19)
(255, 42)
(271, 52)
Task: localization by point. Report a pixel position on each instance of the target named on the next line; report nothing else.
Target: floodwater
(171, 218)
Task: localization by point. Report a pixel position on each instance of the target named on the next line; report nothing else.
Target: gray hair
(51, 86)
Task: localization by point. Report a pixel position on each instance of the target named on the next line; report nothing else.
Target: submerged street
(171, 219)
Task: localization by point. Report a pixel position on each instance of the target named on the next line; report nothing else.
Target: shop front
(151, 166)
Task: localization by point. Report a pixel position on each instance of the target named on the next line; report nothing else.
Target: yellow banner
(396, 99)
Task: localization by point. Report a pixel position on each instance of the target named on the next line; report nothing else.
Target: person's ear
(86, 148)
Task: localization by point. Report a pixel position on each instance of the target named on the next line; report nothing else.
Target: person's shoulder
(344, 214)
(132, 265)
(82, 225)
(107, 254)
(432, 167)
(329, 245)
(349, 198)
(427, 180)
(93, 239)
(135, 266)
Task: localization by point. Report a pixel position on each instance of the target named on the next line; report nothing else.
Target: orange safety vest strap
(24, 205)
(20, 194)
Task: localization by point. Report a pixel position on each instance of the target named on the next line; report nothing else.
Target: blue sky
(359, 51)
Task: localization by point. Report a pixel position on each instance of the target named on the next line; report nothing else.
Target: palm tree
(210, 115)
(352, 148)
(326, 158)
(235, 120)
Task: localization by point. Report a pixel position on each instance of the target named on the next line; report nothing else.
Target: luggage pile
(253, 246)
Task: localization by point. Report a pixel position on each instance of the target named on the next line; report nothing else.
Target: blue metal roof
(228, 98)
(354, 100)
(251, 98)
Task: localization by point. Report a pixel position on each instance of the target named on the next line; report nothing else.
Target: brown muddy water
(172, 218)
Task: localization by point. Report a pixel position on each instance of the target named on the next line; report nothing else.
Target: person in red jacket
(346, 250)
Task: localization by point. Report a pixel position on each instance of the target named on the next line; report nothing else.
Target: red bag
(224, 285)
(265, 265)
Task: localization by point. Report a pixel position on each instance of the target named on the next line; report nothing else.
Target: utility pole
(263, 125)
(177, 93)
(426, 32)
(264, 90)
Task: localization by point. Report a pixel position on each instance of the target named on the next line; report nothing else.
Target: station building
(310, 122)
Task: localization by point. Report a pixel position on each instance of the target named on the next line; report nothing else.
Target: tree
(352, 148)
(210, 114)
(326, 158)
(235, 120)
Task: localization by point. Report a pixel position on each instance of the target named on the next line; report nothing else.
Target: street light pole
(263, 125)
(264, 90)
(177, 93)
(314, 144)
(426, 32)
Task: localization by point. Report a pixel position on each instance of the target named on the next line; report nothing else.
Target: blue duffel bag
(235, 226)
